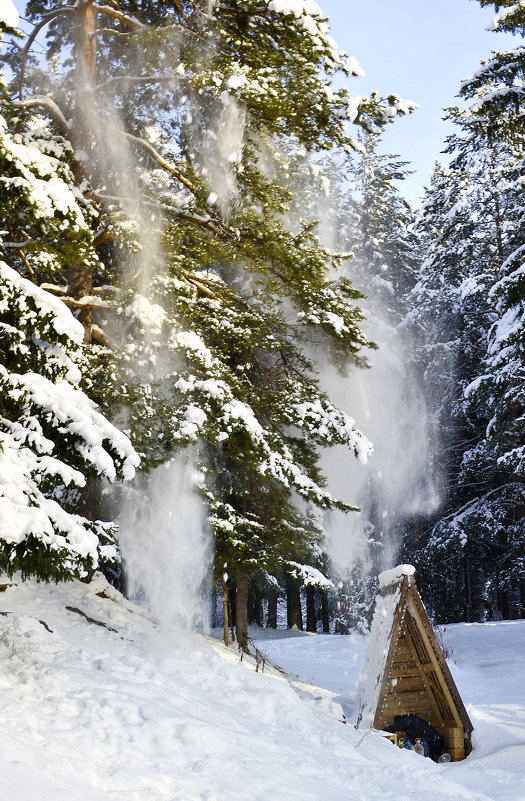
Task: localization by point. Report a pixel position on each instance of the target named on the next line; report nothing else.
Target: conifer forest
(229, 344)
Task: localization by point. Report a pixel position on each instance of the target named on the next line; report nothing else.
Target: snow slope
(97, 702)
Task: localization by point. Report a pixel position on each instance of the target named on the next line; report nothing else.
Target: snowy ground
(124, 710)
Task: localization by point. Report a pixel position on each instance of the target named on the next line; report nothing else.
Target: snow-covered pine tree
(449, 319)
(53, 441)
(380, 231)
(475, 268)
(193, 99)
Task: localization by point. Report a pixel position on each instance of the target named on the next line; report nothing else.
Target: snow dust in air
(166, 547)
(164, 541)
(396, 482)
(388, 405)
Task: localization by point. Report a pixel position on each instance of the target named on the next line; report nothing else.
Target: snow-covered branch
(43, 101)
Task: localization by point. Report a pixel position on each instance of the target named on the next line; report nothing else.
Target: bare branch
(47, 18)
(16, 245)
(133, 23)
(112, 31)
(200, 286)
(55, 289)
(88, 302)
(131, 79)
(98, 335)
(62, 290)
(54, 110)
(160, 160)
(199, 10)
(204, 222)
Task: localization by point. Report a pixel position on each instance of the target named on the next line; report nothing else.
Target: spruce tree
(53, 441)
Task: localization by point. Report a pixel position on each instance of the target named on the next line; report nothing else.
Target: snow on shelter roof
(378, 646)
(396, 574)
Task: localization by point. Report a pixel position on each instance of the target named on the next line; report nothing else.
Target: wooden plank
(408, 703)
(406, 684)
(401, 655)
(454, 735)
(460, 713)
(456, 754)
(436, 712)
(444, 690)
(399, 673)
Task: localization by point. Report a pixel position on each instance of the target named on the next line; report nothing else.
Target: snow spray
(166, 547)
(388, 405)
(164, 541)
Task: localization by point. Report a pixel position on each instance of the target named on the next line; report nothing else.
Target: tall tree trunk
(80, 277)
(293, 603)
(213, 606)
(241, 605)
(225, 612)
(272, 609)
(522, 598)
(325, 612)
(254, 605)
(232, 606)
(311, 622)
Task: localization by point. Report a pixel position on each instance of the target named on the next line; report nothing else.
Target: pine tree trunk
(232, 606)
(325, 613)
(80, 277)
(241, 604)
(272, 609)
(225, 612)
(293, 604)
(311, 622)
(254, 606)
(522, 598)
(213, 609)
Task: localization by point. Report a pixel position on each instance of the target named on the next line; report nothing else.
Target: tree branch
(160, 159)
(200, 287)
(98, 335)
(56, 112)
(131, 79)
(112, 31)
(32, 36)
(16, 245)
(133, 23)
(204, 222)
(474, 501)
(21, 253)
(88, 302)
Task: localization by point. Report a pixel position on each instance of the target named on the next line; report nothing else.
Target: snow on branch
(42, 101)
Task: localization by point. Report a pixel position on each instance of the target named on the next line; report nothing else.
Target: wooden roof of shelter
(405, 669)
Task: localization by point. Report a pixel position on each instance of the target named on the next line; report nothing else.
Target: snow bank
(97, 703)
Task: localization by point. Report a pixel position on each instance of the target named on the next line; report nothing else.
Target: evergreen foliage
(468, 309)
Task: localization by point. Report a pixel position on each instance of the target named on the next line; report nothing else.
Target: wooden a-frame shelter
(405, 670)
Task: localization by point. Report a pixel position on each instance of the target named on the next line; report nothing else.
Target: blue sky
(420, 49)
